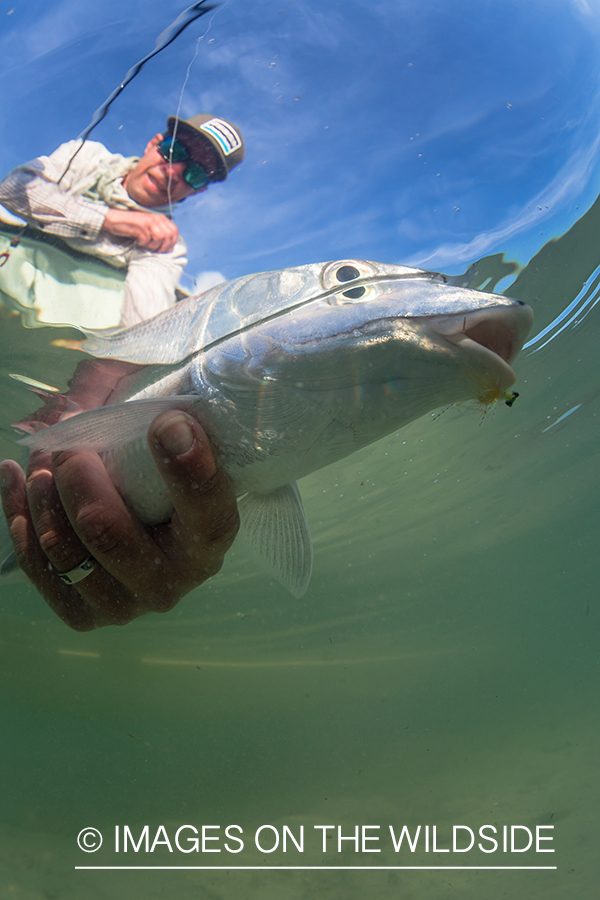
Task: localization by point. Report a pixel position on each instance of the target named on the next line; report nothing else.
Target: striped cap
(222, 136)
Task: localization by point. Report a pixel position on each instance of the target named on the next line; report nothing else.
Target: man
(119, 208)
(94, 563)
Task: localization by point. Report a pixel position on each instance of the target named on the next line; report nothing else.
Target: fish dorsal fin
(106, 427)
(275, 529)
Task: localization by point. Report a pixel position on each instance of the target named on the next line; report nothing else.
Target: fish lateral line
(278, 314)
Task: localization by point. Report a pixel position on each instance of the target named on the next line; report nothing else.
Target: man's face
(155, 181)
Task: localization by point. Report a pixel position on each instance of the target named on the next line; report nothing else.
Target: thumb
(200, 489)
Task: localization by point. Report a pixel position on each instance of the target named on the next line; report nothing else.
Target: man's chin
(149, 198)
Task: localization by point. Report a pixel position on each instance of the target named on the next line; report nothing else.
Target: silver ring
(79, 572)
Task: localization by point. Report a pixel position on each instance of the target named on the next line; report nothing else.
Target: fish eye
(354, 293)
(358, 294)
(347, 273)
(343, 271)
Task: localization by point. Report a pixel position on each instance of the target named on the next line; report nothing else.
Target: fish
(289, 371)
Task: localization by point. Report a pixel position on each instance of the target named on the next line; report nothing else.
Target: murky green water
(442, 669)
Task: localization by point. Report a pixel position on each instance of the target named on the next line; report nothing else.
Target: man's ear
(151, 144)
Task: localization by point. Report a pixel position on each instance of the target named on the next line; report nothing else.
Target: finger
(53, 530)
(101, 596)
(165, 245)
(157, 243)
(163, 227)
(64, 601)
(206, 521)
(165, 236)
(168, 244)
(148, 240)
(172, 236)
(38, 459)
(140, 574)
(14, 505)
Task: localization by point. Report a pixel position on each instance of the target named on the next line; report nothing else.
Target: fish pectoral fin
(106, 427)
(275, 529)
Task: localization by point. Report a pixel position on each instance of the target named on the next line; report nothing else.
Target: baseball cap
(222, 136)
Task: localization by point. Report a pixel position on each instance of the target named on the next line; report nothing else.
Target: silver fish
(289, 371)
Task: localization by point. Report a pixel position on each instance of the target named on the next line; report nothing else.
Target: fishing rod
(166, 37)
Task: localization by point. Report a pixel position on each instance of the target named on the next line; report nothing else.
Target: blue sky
(430, 132)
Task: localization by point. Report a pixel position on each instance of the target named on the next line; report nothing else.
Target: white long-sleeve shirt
(32, 192)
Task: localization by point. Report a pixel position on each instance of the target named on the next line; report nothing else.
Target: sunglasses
(174, 152)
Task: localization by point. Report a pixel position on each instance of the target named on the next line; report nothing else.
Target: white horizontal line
(316, 868)
(273, 664)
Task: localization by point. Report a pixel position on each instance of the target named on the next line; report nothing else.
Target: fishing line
(166, 37)
(187, 75)
(183, 87)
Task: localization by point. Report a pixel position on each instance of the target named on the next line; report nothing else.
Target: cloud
(55, 27)
(206, 280)
(569, 182)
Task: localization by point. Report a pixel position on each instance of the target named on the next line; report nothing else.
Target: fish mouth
(490, 338)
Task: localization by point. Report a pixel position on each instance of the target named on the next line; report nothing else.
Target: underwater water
(443, 668)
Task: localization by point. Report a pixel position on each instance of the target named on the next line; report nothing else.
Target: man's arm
(150, 231)
(146, 243)
(46, 192)
(68, 509)
(32, 192)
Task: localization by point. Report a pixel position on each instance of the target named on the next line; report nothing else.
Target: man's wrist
(118, 222)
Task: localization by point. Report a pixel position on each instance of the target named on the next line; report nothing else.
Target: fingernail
(176, 435)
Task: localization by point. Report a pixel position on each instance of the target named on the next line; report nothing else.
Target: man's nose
(174, 169)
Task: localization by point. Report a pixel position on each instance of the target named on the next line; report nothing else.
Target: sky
(426, 132)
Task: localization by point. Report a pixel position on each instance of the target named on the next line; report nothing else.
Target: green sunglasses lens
(171, 150)
(196, 176)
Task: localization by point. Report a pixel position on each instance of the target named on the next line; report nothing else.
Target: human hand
(150, 231)
(69, 509)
